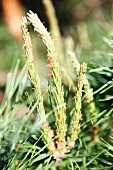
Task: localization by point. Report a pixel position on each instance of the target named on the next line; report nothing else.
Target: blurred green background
(88, 23)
